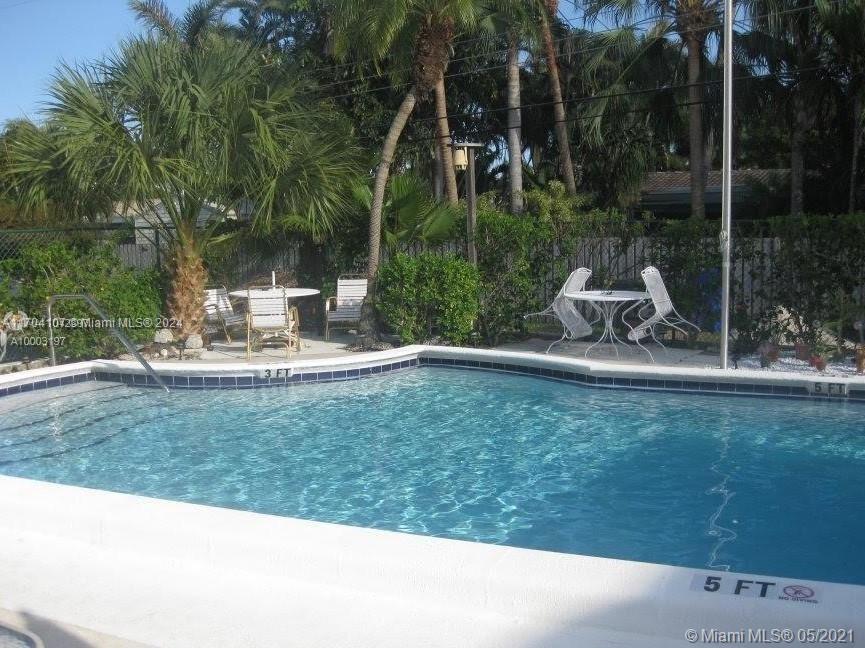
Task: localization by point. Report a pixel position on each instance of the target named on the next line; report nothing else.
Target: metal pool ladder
(120, 335)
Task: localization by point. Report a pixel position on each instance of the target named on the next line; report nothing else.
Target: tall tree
(185, 136)
(549, 16)
(845, 25)
(788, 42)
(692, 21)
(515, 121)
(624, 134)
(200, 19)
(442, 31)
(517, 22)
(420, 30)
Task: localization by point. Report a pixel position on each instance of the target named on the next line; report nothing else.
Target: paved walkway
(313, 347)
(629, 355)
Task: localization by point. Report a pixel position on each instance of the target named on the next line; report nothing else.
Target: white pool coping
(175, 574)
(597, 369)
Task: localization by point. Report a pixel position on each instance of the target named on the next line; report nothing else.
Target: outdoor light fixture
(464, 160)
(461, 159)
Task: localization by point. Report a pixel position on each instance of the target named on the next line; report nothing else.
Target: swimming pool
(747, 484)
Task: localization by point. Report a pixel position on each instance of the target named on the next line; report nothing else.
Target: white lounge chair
(269, 320)
(664, 311)
(345, 307)
(574, 325)
(219, 314)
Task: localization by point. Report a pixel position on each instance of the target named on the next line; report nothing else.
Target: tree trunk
(382, 173)
(566, 166)
(438, 174)
(537, 154)
(695, 128)
(443, 137)
(367, 327)
(797, 155)
(515, 147)
(858, 119)
(186, 292)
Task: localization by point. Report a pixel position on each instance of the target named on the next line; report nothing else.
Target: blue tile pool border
(318, 375)
(719, 388)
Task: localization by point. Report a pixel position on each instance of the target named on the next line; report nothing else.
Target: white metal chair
(664, 311)
(574, 325)
(270, 320)
(345, 307)
(219, 314)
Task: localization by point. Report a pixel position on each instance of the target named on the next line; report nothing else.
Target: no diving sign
(753, 587)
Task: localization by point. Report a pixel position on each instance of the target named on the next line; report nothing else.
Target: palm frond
(156, 16)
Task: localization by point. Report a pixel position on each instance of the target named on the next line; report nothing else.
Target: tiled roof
(674, 181)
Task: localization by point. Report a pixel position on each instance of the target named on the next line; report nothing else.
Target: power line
(681, 86)
(502, 65)
(568, 120)
(637, 23)
(463, 58)
(610, 96)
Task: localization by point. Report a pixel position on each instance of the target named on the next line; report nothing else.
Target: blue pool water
(748, 484)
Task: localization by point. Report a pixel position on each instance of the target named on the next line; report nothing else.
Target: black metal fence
(612, 261)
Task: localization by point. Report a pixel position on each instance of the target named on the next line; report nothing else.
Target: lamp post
(727, 182)
(464, 159)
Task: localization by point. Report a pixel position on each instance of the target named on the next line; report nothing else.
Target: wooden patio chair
(269, 320)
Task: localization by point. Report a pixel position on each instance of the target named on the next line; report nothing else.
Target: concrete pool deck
(57, 634)
(315, 347)
(166, 573)
(172, 574)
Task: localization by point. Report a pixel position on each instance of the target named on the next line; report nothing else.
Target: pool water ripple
(756, 485)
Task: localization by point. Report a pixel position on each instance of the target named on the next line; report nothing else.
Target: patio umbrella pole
(726, 187)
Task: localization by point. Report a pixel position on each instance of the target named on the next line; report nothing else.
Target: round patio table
(608, 303)
(259, 293)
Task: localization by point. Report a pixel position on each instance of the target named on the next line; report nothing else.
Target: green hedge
(522, 257)
(40, 271)
(426, 295)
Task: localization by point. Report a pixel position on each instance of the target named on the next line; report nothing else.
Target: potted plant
(821, 351)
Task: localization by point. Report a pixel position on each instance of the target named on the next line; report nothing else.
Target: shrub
(523, 258)
(818, 265)
(514, 256)
(688, 255)
(40, 271)
(424, 295)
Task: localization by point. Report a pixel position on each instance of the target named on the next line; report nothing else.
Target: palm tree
(420, 29)
(624, 134)
(442, 31)
(844, 23)
(517, 21)
(788, 42)
(198, 20)
(411, 213)
(692, 21)
(172, 132)
(548, 15)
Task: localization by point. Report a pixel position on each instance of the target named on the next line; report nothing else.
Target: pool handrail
(96, 308)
